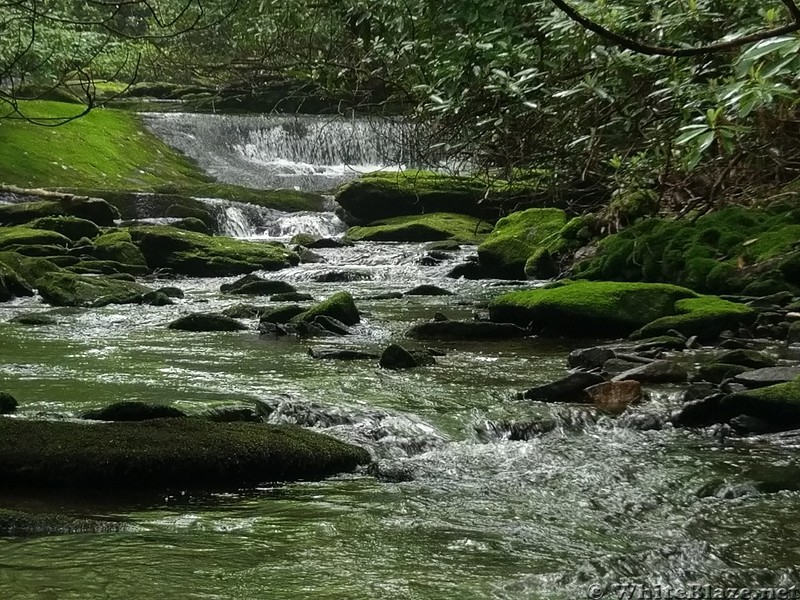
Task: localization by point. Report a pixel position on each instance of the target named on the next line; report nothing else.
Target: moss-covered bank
(166, 454)
(729, 251)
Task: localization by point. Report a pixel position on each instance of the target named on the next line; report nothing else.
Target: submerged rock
(33, 319)
(465, 330)
(166, 454)
(341, 354)
(428, 290)
(569, 389)
(19, 523)
(396, 357)
(206, 322)
(615, 396)
(133, 411)
(292, 297)
(341, 277)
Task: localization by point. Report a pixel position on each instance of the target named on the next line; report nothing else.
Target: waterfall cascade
(286, 151)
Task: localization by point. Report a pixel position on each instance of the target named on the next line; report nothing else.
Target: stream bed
(456, 511)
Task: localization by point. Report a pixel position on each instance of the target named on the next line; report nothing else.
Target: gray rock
(589, 358)
(746, 358)
(206, 322)
(332, 325)
(615, 366)
(341, 354)
(428, 290)
(256, 286)
(660, 371)
(396, 357)
(569, 389)
(767, 376)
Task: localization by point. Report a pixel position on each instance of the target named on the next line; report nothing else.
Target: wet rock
(749, 425)
(341, 277)
(660, 343)
(641, 421)
(733, 344)
(660, 371)
(615, 366)
(309, 257)
(232, 414)
(793, 335)
(276, 330)
(718, 372)
(767, 376)
(8, 404)
(428, 290)
(339, 306)
(282, 315)
(206, 322)
(172, 292)
(396, 357)
(468, 270)
(156, 298)
(61, 288)
(589, 358)
(615, 396)
(33, 319)
(439, 317)
(193, 224)
(133, 411)
(746, 358)
(72, 227)
(292, 297)
(772, 332)
(386, 296)
(778, 299)
(328, 243)
(341, 354)
(569, 389)
(18, 523)
(443, 245)
(254, 285)
(390, 472)
(465, 330)
(332, 325)
(693, 343)
(245, 311)
(699, 390)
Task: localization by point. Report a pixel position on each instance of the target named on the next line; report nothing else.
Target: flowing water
(456, 510)
(286, 151)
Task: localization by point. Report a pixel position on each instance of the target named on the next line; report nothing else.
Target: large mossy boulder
(133, 411)
(340, 306)
(423, 228)
(584, 308)
(706, 317)
(722, 252)
(117, 246)
(26, 269)
(166, 454)
(15, 237)
(72, 227)
(519, 237)
(96, 210)
(196, 254)
(62, 288)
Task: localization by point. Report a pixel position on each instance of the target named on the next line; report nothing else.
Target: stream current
(456, 510)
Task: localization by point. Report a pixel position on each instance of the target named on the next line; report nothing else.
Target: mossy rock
(95, 210)
(283, 314)
(11, 283)
(28, 269)
(8, 404)
(541, 265)
(196, 254)
(26, 236)
(61, 288)
(705, 317)
(589, 308)
(133, 411)
(165, 454)
(72, 227)
(340, 306)
(207, 322)
(106, 267)
(517, 237)
(24, 523)
(253, 285)
(193, 224)
(423, 228)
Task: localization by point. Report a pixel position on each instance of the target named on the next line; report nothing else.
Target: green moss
(339, 306)
(706, 317)
(589, 308)
(191, 253)
(62, 288)
(721, 252)
(518, 236)
(28, 268)
(25, 236)
(71, 227)
(166, 454)
(423, 228)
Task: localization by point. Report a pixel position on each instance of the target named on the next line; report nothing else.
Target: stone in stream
(33, 319)
(309, 256)
(385, 296)
(292, 297)
(614, 366)
(428, 290)
(659, 371)
(468, 270)
(666, 342)
(8, 404)
(206, 322)
(465, 330)
(396, 357)
(245, 311)
(568, 389)
(256, 286)
(718, 372)
(22, 523)
(232, 414)
(172, 292)
(156, 298)
(793, 335)
(281, 315)
(133, 411)
(746, 358)
(332, 325)
(341, 354)
(276, 330)
(589, 358)
(615, 396)
(166, 454)
(339, 306)
(767, 376)
(341, 277)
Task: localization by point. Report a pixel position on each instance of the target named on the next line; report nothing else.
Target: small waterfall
(286, 151)
(242, 220)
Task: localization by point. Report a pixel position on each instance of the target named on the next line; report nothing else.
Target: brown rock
(615, 396)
